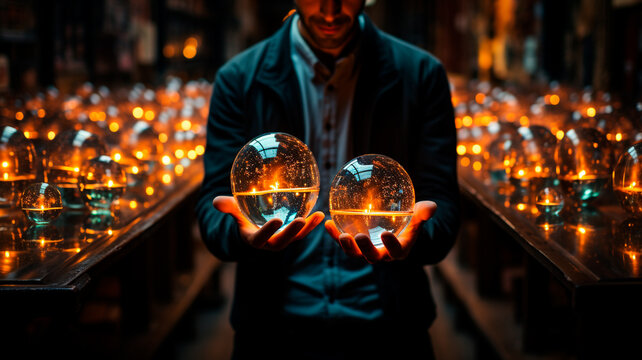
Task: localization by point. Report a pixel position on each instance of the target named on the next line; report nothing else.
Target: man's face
(329, 23)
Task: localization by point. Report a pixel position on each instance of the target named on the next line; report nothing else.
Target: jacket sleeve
(436, 163)
(226, 134)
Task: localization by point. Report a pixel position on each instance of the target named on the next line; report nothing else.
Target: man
(329, 77)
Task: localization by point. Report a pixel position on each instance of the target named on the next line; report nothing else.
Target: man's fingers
(424, 210)
(280, 240)
(332, 230)
(349, 246)
(310, 223)
(392, 244)
(369, 251)
(262, 235)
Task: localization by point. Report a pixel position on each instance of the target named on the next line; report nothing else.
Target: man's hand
(265, 237)
(395, 248)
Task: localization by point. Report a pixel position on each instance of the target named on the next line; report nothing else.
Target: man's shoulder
(410, 57)
(247, 60)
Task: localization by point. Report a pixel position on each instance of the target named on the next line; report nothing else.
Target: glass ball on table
(275, 175)
(549, 201)
(41, 203)
(102, 181)
(17, 165)
(627, 180)
(371, 194)
(583, 160)
(66, 155)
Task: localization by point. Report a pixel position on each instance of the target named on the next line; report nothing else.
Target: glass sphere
(141, 142)
(17, 165)
(549, 201)
(627, 179)
(41, 203)
(275, 175)
(66, 155)
(101, 181)
(372, 194)
(583, 159)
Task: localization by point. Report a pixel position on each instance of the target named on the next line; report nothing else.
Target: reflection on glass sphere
(65, 157)
(583, 159)
(141, 142)
(549, 201)
(372, 194)
(41, 203)
(275, 176)
(101, 181)
(42, 237)
(628, 245)
(17, 165)
(96, 225)
(627, 178)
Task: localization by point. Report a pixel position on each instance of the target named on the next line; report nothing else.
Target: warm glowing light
(581, 174)
(162, 137)
(42, 207)
(109, 232)
(467, 120)
(149, 115)
(480, 97)
(200, 149)
(521, 207)
(523, 120)
(139, 155)
(554, 99)
(51, 135)
(476, 149)
(581, 229)
(458, 122)
(169, 51)
(559, 134)
(275, 186)
(179, 169)
(191, 41)
(7, 254)
(477, 165)
(20, 115)
(77, 249)
(5, 164)
(77, 169)
(166, 179)
(506, 162)
(191, 154)
(618, 137)
(5, 176)
(461, 149)
(179, 153)
(134, 170)
(27, 134)
(632, 185)
(133, 204)
(465, 161)
(538, 169)
(189, 51)
(166, 160)
(113, 126)
(590, 111)
(117, 157)
(110, 183)
(521, 172)
(41, 113)
(149, 190)
(138, 112)
(186, 125)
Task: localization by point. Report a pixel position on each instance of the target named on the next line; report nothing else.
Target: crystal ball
(627, 179)
(275, 175)
(371, 194)
(141, 142)
(101, 181)
(549, 201)
(66, 155)
(583, 164)
(17, 165)
(41, 203)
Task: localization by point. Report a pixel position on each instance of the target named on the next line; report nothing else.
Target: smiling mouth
(329, 29)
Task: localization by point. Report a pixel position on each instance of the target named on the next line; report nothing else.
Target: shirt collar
(344, 66)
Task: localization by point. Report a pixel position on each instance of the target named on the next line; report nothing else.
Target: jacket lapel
(377, 77)
(277, 75)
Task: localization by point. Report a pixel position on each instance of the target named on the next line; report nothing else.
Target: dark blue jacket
(402, 109)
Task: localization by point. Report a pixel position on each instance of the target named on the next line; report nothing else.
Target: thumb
(226, 204)
(424, 210)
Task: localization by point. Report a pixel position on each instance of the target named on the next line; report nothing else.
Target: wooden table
(579, 281)
(134, 273)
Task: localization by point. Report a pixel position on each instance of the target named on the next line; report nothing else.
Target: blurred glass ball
(627, 180)
(17, 165)
(371, 194)
(549, 201)
(101, 181)
(275, 175)
(41, 203)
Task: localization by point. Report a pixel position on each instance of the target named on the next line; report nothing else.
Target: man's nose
(330, 8)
